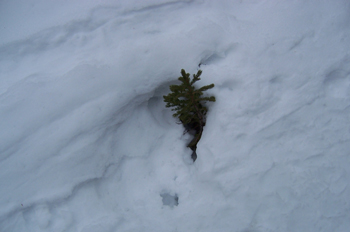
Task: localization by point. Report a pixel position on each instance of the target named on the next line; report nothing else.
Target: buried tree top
(188, 102)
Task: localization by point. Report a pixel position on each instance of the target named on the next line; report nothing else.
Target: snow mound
(86, 143)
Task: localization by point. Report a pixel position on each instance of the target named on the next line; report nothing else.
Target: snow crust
(86, 143)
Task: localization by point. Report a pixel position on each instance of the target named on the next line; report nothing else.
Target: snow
(86, 143)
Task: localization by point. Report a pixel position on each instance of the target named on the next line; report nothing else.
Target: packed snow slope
(86, 143)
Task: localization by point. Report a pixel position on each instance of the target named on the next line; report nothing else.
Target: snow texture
(86, 143)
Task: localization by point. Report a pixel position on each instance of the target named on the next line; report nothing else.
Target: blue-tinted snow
(86, 143)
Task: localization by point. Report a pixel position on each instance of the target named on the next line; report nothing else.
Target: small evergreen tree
(188, 103)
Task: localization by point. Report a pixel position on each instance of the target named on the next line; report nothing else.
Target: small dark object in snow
(170, 200)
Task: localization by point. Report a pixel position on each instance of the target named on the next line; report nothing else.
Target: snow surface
(86, 143)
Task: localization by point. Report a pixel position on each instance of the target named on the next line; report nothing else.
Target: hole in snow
(169, 199)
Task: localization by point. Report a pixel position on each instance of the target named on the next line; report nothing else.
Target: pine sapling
(188, 103)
